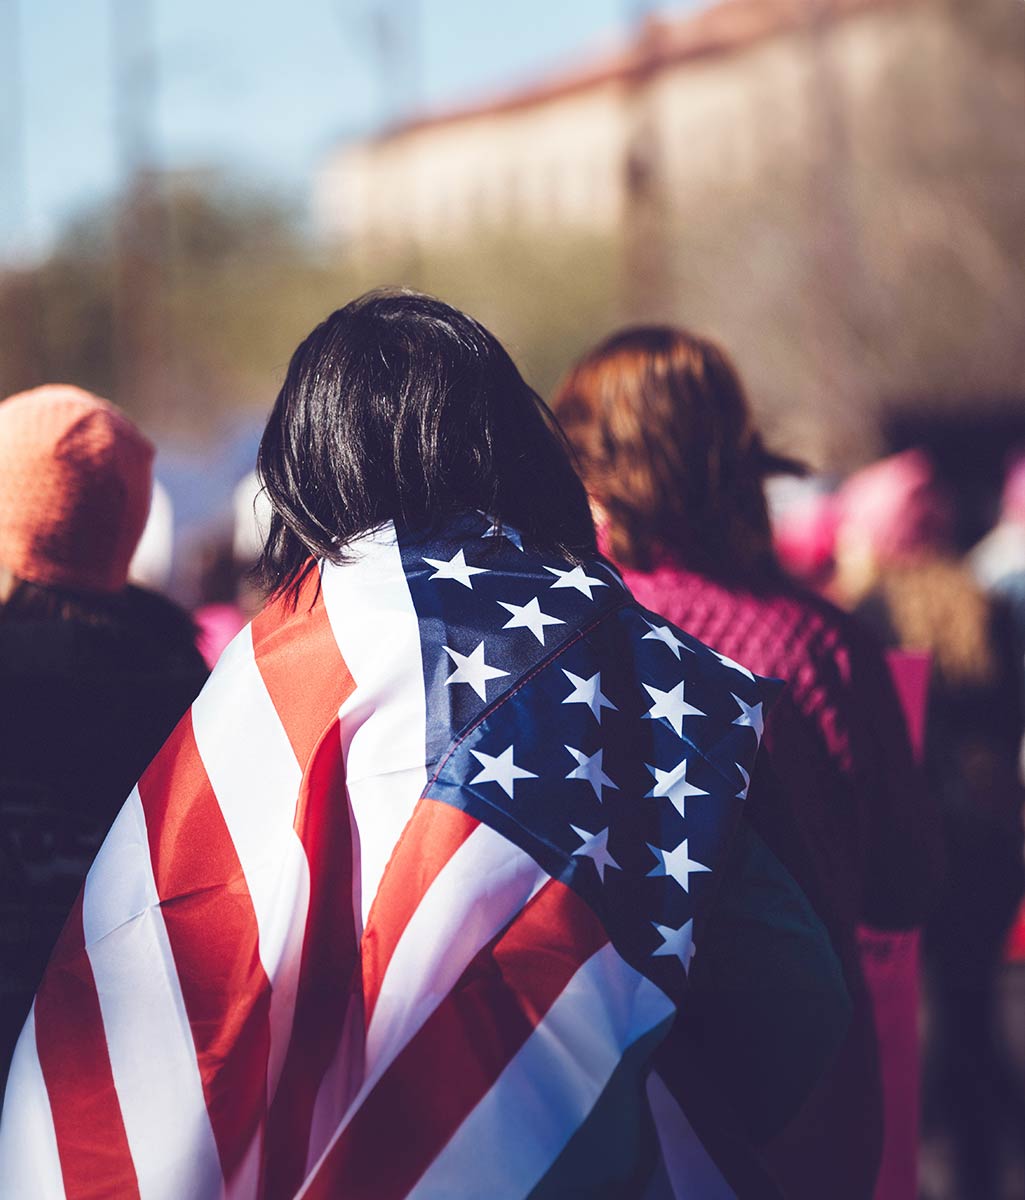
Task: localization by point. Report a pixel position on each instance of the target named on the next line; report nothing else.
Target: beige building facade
(830, 187)
(711, 100)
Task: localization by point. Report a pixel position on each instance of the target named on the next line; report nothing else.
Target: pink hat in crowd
(897, 506)
(1012, 502)
(75, 486)
(804, 534)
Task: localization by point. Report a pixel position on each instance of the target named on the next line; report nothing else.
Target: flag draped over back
(405, 905)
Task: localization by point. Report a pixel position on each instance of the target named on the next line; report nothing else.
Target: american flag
(406, 903)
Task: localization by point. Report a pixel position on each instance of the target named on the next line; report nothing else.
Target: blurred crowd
(896, 645)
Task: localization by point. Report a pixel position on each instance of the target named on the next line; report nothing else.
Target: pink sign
(910, 671)
(890, 963)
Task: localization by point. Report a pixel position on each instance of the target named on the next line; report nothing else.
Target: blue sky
(258, 87)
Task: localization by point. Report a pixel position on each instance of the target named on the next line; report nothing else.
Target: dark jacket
(85, 703)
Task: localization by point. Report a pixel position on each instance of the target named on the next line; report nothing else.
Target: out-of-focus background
(833, 187)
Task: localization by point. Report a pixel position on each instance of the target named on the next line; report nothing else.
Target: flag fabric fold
(407, 904)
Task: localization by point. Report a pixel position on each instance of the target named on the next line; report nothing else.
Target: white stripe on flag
(549, 1088)
(256, 778)
(690, 1169)
(485, 883)
(378, 635)
(341, 1082)
(245, 1183)
(29, 1165)
(152, 1054)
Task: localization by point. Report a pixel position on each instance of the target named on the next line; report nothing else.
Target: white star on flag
(575, 579)
(472, 669)
(746, 781)
(665, 635)
(673, 786)
(529, 616)
(672, 706)
(596, 848)
(751, 716)
(589, 767)
(735, 666)
(676, 943)
(676, 863)
(507, 532)
(588, 691)
(500, 769)
(456, 568)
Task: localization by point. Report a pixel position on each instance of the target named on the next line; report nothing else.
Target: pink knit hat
(898, 505)
(1012, 507)
(75, 484)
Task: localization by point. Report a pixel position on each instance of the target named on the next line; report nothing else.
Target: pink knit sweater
(838, 799)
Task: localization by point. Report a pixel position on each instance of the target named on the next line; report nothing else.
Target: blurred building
(714, 98)
(832, 187)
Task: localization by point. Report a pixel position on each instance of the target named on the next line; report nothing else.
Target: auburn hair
(670, 455)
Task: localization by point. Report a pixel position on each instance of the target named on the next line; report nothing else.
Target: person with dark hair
(461, 433)
(675, 468)
(406, 905)
(94, 673)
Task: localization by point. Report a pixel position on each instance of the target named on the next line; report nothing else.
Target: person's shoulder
(816, 645)
(161, 628)
(821, 613)
(821, 622)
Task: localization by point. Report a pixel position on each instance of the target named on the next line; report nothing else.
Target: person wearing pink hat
(94, 673)
(896, 559)
(75, 483)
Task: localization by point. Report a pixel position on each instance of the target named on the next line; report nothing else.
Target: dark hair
(667, 446)
(399, 407)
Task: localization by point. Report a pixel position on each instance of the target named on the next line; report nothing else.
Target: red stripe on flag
(212, 929)
(301, 665)
(460, 1051)
(71, 1044)
(328, 976)
(307, 680)
(434, 834)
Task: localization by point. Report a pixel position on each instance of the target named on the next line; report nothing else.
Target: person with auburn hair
(675, 468)
(407, 903)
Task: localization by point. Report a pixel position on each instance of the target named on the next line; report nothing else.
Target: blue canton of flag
(617, 762)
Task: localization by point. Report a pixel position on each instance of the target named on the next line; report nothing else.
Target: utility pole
(22, 354)
(644, 275)
(393, 31)
(396, 34)
(140, 234)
